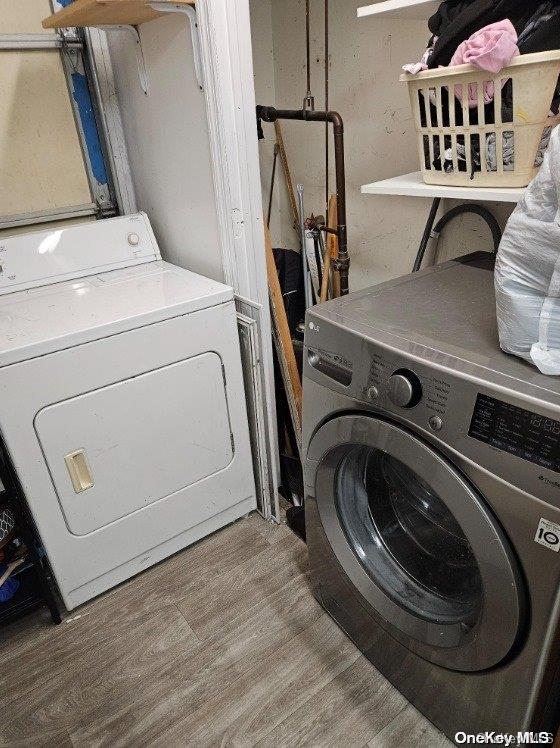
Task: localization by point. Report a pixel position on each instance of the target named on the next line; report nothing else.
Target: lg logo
(548, 534)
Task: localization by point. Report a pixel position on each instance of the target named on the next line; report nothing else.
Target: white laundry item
(413, 68)
(527, 277)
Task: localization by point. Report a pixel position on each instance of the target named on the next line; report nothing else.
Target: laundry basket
(494, 133)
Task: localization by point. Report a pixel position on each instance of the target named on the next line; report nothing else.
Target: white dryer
(122, 405)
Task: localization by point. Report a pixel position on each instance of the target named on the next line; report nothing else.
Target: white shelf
(411, 185)
(411, 9)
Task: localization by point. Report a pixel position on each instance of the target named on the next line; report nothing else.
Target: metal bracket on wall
(190, 12)
(133, 31)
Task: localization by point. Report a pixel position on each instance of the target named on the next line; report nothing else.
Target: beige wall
(168, 143)
(265, 92)
(366, 56)
(41, 162)
(24, 17)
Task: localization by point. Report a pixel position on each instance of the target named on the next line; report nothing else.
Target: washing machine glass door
(417, 541)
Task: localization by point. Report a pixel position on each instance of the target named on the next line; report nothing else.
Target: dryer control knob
(405, 389)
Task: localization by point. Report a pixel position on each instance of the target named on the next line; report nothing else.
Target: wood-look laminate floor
(223, 644)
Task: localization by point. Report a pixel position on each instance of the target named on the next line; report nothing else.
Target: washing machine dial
(405, 389)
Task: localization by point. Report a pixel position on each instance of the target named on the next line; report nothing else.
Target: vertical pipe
(343, 259)
(327, 188)
(270, 114)
(308, 102)
(308, 47)
(305, 270)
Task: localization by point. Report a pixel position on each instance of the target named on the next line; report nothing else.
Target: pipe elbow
(337, 122)
(267, 113)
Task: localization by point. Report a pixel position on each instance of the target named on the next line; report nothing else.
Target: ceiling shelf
(107, 13)
(412, 185)
(410, 9)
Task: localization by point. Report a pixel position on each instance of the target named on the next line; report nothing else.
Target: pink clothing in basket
(492, 49)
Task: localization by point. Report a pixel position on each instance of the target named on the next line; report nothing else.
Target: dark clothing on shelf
(447, 12)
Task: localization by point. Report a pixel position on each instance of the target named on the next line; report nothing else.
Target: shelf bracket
(133, 31)
(190, 12)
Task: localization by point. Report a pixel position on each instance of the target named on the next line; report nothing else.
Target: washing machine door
(417, 541)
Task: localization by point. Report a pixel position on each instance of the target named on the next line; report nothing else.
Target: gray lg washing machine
(432, 475)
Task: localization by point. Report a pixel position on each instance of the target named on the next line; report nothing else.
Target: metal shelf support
(190, 12)
(133, 31)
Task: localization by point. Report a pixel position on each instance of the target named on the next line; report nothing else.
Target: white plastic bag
(528, 270)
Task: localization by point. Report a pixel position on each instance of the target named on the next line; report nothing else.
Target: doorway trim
(227, 59)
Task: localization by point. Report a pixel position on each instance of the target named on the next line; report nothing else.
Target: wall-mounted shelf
(127, 15)
(410, 9)
(109, 13)
(412, 185)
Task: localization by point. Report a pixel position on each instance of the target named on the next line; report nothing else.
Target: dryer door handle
(79, 470)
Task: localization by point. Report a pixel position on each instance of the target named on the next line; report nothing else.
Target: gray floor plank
(124, 631)
(269, 690)
(45, 739)
(357, 704)
(237, 592)
(186, 686)
(79, 675)
(410, 729)
(223, 644)
(175, 692)
(270, 531)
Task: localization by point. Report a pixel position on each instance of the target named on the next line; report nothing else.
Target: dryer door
(417, 541)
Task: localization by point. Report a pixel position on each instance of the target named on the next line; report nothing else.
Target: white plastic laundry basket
(454, 151)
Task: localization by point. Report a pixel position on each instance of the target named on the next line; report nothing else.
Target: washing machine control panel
(513, 436)
(406, 389)
(517, 431)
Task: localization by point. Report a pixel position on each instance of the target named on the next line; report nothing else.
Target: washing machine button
(372, 393)
(436, 424)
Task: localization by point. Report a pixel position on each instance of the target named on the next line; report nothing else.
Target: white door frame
(225, 36)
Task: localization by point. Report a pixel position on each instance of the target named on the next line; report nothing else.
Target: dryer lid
(43, 320)
(71, 286)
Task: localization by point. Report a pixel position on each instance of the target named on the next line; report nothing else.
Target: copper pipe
(270, 114)
(327, 165)
(309, 100)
